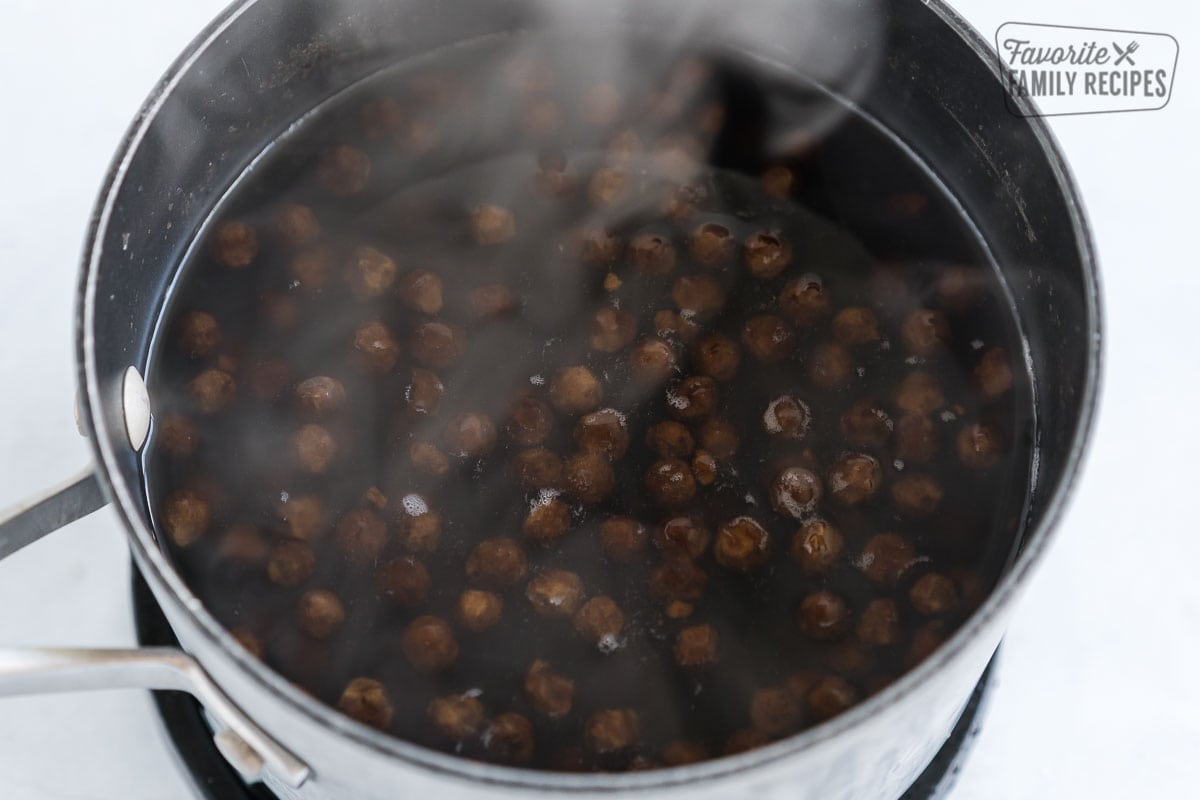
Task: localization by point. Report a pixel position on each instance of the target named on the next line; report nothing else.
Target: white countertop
(1097, 694)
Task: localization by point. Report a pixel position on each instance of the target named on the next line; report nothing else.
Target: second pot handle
(80, 496)
(46, 513)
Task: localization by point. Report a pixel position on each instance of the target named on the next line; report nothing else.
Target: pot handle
(80, 496)
(41, 671)
(46, 513)
(246, 746)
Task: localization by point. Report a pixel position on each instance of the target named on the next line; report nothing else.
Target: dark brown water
(477, 128)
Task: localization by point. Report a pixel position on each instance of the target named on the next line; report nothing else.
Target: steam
(648, 88)
(654, 91)
(828, 42)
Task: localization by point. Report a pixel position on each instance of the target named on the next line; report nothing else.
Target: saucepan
(264, 63)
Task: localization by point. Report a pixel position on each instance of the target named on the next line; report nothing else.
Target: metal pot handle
(62, 505)
(43, 671)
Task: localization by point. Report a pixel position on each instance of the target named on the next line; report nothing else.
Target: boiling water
(856, 209)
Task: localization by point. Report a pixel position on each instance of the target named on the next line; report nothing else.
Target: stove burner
(213, 779)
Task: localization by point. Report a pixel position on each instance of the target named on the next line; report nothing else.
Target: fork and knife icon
(1126, 54)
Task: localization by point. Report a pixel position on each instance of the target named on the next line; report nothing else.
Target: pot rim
(171, 589)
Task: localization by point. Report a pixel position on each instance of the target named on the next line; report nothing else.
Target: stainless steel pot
(264, 63)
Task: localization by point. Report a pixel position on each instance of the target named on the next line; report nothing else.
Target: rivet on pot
(79, 426)
(240, 755)
(135, 405)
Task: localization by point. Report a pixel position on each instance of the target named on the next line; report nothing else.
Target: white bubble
(544, 496)
(414, 505)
